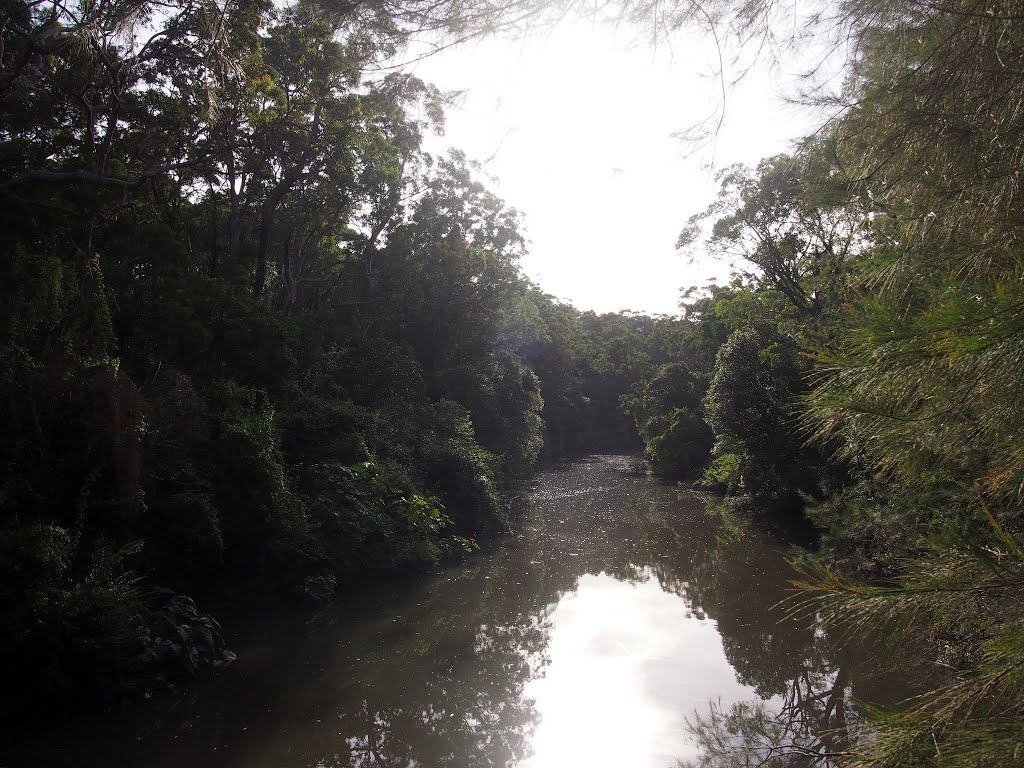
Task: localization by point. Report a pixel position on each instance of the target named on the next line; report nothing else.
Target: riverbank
(617, 609)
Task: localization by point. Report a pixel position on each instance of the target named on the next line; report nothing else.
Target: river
(618, 610)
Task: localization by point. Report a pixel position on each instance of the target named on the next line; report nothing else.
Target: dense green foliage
(252, 336)
(873, 367)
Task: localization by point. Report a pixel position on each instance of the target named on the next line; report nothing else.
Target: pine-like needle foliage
(962, 604)
(921, 386)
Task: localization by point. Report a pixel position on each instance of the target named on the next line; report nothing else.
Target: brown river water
(618, 610)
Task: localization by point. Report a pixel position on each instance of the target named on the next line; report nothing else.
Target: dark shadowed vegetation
(253, 337)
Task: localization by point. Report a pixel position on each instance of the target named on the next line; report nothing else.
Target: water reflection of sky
(616, 611)
(628, 661)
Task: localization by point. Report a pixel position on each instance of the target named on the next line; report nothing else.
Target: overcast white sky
(575, 125)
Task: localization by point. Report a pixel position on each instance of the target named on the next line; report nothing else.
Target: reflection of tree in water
(750, 735)
(805, 681)
(451, 695)
(734, 573)
(431, 672)
(810, 728)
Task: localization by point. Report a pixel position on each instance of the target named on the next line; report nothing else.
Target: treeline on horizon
(255, 338)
